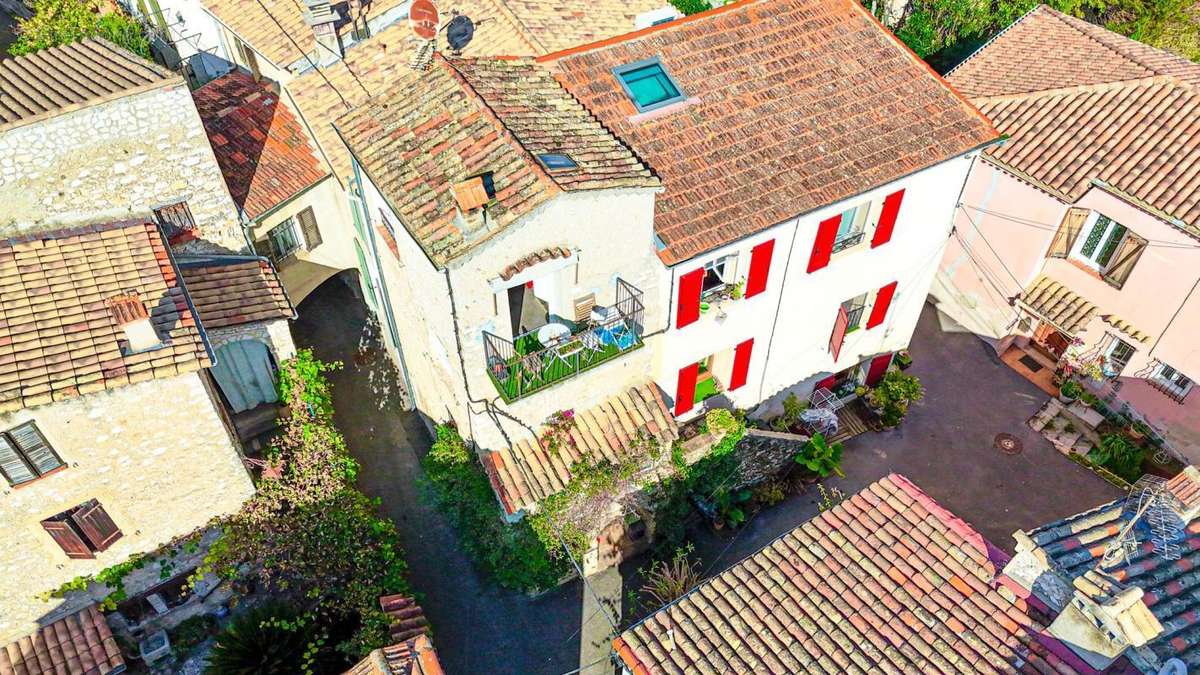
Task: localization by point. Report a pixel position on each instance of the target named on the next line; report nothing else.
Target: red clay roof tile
(233, 290)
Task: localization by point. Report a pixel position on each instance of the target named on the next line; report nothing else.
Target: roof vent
(320, 16)
(131, 317)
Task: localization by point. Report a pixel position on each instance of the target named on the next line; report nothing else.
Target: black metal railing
(1171, 390)
(524, 365)
(848, 241)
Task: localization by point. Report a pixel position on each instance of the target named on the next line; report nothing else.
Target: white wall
(791, 322)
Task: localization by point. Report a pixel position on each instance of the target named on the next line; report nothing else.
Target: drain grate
(1008, 444)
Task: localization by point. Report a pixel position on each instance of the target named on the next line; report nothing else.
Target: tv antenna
(424, 18)
(1152, 506)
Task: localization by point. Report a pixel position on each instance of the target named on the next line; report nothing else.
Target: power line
(988, 244)
(1153, 243)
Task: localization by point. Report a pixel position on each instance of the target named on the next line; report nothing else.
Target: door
(245, 372)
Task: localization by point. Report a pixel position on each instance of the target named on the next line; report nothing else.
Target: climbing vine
(113, 578)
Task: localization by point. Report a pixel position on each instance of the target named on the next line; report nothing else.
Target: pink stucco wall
(1003, 230)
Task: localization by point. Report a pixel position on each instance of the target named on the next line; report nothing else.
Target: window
(248, 57)
(282, 241)
(556, 162)
(1117, 357)
(852, 227)
(83, 531)
(854, 310)
(1171, 382)
(25, 455)
(176, 222)
(1097, 248)
(308, 226)
(716, 274)
(648, 84)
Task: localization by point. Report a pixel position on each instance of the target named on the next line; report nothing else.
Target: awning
(1057, 304)
(1125, 327)
(77, 644)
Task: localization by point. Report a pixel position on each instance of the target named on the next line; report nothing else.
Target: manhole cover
(1008, 444)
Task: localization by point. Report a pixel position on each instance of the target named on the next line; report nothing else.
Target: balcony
(529, 364)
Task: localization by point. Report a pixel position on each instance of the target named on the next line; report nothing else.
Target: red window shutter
(68, 539)
(823, 246)
(689, 297)
(96, 525)
(883, 299)
(685, 390)
(839, 332)
(878, 367)
(760, 268)
(741, 364)
(887, 219)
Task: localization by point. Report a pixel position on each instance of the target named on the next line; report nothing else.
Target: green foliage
(558, 431)
(669, 580)
(270, 639)
(721, 422)
(309, 536)
(192, 631)
(793, 407)
(511, 554)
(821, 457)
(893, 395)
(933, 25)
(59, 22)
(1119, 455)
(1071, 389)
(770, 492)
(688, 7)
(829, 498)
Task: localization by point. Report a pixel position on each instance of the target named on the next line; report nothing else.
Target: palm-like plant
(270, 639)
(668, 581)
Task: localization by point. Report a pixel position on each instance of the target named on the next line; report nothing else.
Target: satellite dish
(423, 19)
(459, 32)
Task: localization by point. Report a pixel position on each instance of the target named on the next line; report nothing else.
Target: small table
(553, 333)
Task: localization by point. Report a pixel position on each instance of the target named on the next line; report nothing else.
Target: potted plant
(820, 457)
(890, 399)
(1070, 391)
(903, 359)
(1138, 430)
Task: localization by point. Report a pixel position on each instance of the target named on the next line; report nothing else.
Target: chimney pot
(131, 316)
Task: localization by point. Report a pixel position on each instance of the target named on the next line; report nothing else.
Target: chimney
(323, 21)
(1105, 619)
(132, 318)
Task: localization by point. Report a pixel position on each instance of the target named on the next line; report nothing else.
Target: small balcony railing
(848, 241)
(525, 365)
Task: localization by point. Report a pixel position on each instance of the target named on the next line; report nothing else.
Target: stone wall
(157, 457)
(117, 160)
(765, 454)
(275, 334)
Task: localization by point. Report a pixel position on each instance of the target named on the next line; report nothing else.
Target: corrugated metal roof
(58, 79)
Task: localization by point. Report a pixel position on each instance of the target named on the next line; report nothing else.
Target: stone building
(139, 340)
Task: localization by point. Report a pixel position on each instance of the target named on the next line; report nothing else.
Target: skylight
(556, 161)
(648, 84)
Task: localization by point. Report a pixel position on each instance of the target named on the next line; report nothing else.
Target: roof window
(648, 84)
(556, 161)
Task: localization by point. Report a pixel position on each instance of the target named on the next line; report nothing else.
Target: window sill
(669, 109)
(39, 479)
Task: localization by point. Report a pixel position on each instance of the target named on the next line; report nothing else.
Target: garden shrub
(1119, 455)
(688, 7)
(511, 554)
(821, 457)
(60, 22)
(269, 639)
(192, 631)
(892, 396)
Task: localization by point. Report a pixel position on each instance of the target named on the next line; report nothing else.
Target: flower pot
(1067, 400)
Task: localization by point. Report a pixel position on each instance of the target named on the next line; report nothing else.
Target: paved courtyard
(945, 446)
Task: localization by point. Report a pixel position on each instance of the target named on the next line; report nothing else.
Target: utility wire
(988, 244)
(1153, 243)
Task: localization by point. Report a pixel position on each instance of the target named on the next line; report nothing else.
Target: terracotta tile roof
(262, 150)
(57, 337)
(370, 68)
(527, 473)
(72, 76)
(1076, 546)
(276, 28)
(472, 117)
(1058, 304)
(1082, 104)
(233, 290)
(887, 581)
(794, 104)
(412, 652)
(79, 644)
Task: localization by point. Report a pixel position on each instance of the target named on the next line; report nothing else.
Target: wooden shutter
(688, 309)
(96, 525)
(68, 539)
(840, 324)
(308, 225)
(878, 368)
(1068, 232)
(887, 219)
(12, 465)
(760, 268)
(685, 388)
(883, 300)
(823, 246)
(35, 448)
(741, 364)
(1124, 259)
